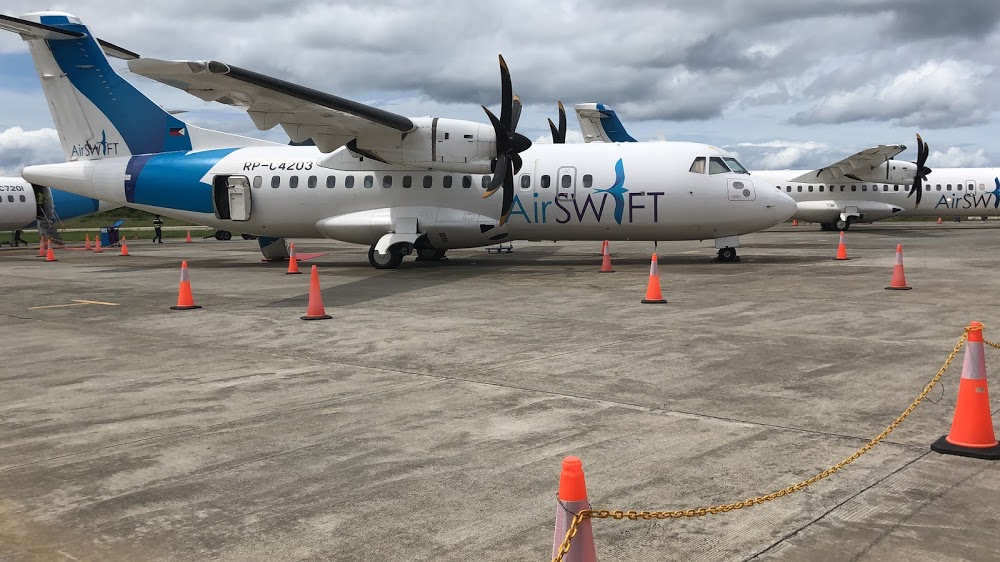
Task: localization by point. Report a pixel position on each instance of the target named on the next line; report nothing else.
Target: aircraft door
(238, 190)
(566, 182)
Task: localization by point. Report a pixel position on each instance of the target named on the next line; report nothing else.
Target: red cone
(293, 263)
(841, 249)
(185, 300)
(124, 251)
(653, 293)
(316, 310)
(49, 254)
(572, 499)
(898, 282)
(606, 262)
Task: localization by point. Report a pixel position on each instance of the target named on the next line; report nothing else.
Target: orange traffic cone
(41, 247)
(86, 243)
(315, 310)
(571, 500)
(841, 249)
(606, 263)
(939, 221)
(293, 263)
(898, 282)
(185, 300)
(188, 240)
(795, 222)
(604, 246)
(971, 432)
(124, 251)
(97, 245)
(653, 293)
(49, 254)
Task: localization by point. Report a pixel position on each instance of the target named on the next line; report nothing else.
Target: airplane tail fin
(97, 113)
(600, 123)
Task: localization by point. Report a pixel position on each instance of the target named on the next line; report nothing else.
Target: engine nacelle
(858, 211)
(448, 145)
(898, 172)
(443, 227)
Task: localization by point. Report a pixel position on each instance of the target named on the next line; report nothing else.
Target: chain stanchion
(633, 515)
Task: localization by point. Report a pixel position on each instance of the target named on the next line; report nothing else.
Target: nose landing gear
(727, 255)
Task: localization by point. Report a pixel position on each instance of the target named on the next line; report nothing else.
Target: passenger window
(810, 189)
(927, 188)
(386, 182)
(257, 182)
(525, 181)
(800, 189)
(311, 182)
(466, 182)
(10, 198)
(895, 188)
(854, 188)
(717, 166)
(349, 182)
(698, 166)
(588, 180)
(446, 182)
(407, 182)
(949, 187)
(865, 187)
(23, 200)
(821, 189)
(486, 181)
(275, 181)
(331, 182)
(545, 182)
(789, 189)
(369, 182)
(428, 182)
(293, 182)
(567, 181)
(939, 187)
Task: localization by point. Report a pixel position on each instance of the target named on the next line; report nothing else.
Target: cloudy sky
(784, 84)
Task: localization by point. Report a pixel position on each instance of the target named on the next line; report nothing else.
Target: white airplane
(20, 209)
(863, 188)
(373, 177)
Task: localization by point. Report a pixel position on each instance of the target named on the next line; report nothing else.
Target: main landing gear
(837, 225)
(395, 254)
(430, 254)
(727, 255)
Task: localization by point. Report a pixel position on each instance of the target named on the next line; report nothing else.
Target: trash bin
(109, 234)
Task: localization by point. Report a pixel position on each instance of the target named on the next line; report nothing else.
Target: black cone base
(945, 448)
(898, 288)
(323, 317)
(192, 307)
(648, 301)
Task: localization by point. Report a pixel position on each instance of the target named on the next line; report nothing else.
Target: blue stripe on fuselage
(173, 180)
(144, 126)
(71, 205)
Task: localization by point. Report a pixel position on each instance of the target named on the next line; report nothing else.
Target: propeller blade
(502, 168)
(517, 162)
(562, 123)
(516, 110)
(508, 197)
(507, 96)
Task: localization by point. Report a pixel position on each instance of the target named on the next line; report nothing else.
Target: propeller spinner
(509, 144)
(923, 150)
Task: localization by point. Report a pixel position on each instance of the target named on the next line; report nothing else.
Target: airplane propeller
(559, 133)
(923, 150)
(509, 144)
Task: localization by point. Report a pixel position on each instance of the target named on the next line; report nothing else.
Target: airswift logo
(571, 207)
(97, 149)
(971, 200)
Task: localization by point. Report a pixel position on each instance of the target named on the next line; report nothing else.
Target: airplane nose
(783, 205)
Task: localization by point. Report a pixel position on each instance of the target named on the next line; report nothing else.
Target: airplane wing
(303, 113)
(849, 168)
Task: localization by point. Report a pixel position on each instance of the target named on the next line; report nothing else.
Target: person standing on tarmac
(158, 229)
(18, 240)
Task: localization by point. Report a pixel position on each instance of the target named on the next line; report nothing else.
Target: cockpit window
(717, 166)
(736, 166)
(698, 166)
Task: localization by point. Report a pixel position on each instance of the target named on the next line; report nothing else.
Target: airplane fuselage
(639, 191)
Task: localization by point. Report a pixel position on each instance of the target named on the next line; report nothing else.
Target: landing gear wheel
(842, 225)
(728, 255)
(249, 236)
(430, 254)
(825, 227)
(390, 260)
(226, 235)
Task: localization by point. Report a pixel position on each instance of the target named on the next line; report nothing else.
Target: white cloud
(20, 148)
(956, 157)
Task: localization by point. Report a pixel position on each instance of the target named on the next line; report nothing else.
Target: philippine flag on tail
(178, 131)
